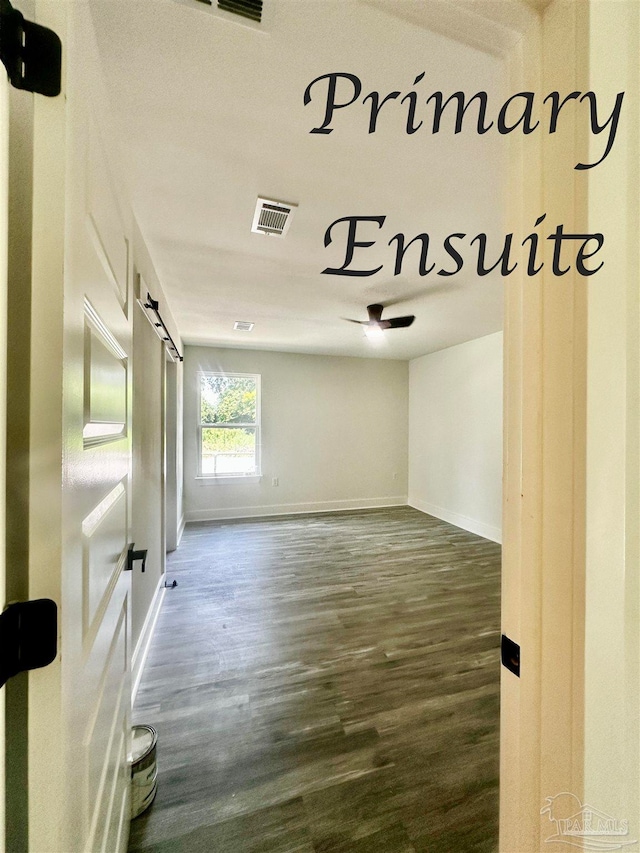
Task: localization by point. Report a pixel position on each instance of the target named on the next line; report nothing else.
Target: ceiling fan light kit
(374, 333)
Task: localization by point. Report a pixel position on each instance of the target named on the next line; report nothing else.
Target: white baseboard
(293, 509)
(487, 531)
(180, 530)
(144, 641)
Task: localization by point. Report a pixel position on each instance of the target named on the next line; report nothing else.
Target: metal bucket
(144, 783)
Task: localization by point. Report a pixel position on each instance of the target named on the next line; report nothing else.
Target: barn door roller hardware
(31, 53)
(153, 305)
(28, 636)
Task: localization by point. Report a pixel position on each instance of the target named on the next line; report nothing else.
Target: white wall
(455, 435)
(334, 433)
(147, 470)
(173, 440)
(149, 465)
(145, 266)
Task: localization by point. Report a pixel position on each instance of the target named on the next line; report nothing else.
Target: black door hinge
(510, 655)
(28, 636)
(31, 53)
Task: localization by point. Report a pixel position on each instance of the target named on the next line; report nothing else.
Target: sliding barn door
(79, 512)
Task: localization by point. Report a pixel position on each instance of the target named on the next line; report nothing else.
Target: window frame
(255, 475)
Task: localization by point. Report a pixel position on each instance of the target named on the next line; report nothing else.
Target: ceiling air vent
(251, 9)
(242, 326)
(272, 217)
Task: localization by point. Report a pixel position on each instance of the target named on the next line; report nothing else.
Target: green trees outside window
(229, 424)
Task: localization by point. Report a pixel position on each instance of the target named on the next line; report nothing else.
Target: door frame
(570, 578)
(4, 252)
(546, 542)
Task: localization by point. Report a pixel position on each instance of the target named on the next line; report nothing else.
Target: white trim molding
(487, 531)
(294, 509)
(180, 530)
(144, 641)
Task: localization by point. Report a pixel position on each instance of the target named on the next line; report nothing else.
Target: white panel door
(80, 707)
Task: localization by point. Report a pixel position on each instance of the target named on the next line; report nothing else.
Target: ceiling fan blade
(375, 320)
(399, 322)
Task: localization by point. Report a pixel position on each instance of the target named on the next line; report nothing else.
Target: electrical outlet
(275, 482)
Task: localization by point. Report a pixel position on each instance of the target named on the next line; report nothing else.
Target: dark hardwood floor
(326, 684)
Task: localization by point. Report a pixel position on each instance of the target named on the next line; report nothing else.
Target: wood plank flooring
(326, 684)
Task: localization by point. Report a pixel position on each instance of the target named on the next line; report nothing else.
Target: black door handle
(132, 556)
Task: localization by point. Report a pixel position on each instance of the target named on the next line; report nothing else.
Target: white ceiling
(209, 114)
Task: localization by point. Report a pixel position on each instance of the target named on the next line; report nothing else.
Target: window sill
(212, 479)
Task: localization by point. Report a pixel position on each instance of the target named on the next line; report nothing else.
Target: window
(229, 429)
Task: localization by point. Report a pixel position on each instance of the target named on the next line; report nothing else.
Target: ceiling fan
(375, 325)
